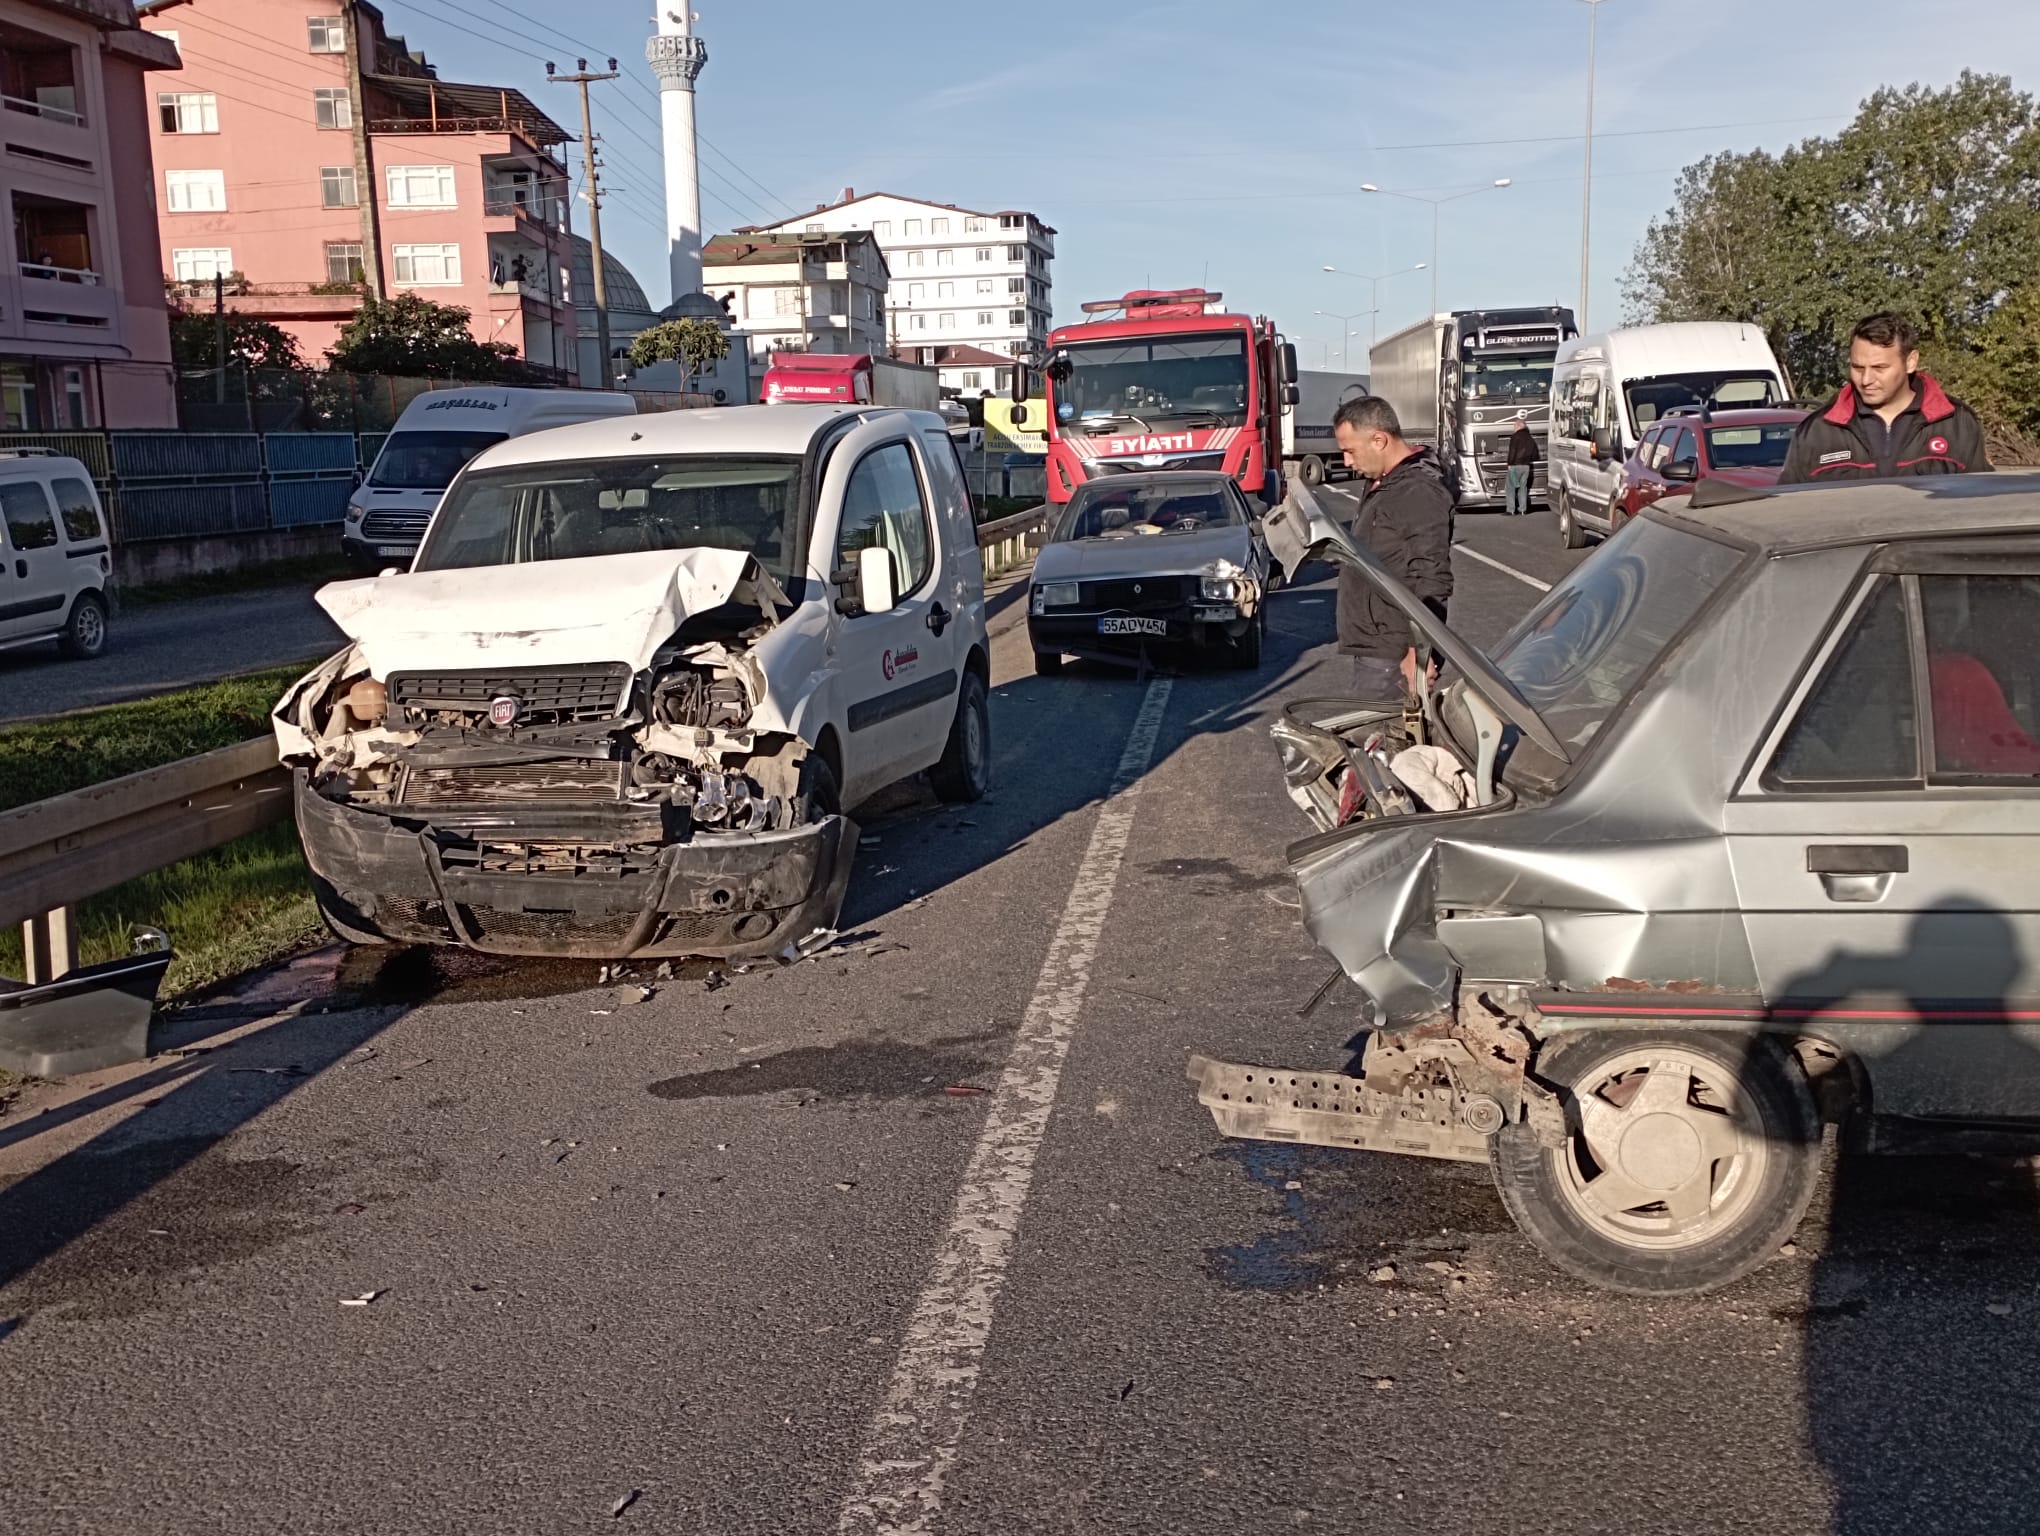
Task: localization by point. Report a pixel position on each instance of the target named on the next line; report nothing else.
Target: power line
(1628, 133)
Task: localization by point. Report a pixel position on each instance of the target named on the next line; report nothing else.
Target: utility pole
(1587, 186)
(584, 79)
(219, 310)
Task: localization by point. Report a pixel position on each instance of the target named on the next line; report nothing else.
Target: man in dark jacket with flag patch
(1889, 419)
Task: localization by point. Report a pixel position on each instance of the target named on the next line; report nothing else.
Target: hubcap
(91, 629)
(1670, 1150)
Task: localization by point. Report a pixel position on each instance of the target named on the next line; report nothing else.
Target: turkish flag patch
(1937, 445)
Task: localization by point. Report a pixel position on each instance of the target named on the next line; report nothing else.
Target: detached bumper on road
(398, 877)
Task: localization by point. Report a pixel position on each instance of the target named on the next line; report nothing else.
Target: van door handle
(21, 569)
(1857, 872)
(938, 619)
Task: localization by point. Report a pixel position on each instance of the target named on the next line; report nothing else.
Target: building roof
(850, 199)
(422, 99)
(767, 247)
(626, 294)
(964, 356)
(1783, 519)
(770, 429)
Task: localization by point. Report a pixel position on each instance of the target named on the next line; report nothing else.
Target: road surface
(930, 1228)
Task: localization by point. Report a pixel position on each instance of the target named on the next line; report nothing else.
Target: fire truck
(1167, 379)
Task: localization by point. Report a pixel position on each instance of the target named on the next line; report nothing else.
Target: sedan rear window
(1754, 447)
(1579, 654)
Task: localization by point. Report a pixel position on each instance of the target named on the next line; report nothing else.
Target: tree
(251, 343)
(696, 343)
(1928, 203)
(414, 337)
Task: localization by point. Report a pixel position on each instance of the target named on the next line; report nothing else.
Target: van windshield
(1718, 391)
(570, 511)
(427, 461)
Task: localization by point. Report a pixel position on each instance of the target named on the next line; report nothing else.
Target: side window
(1684, 448)
(1860, 723)
(1983, 674)
(882, 509)
(80, 513)
(1646, 451)
(945, 472)
(30, 524)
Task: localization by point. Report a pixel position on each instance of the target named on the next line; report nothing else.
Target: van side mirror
(875, 588)
(1604, 442)
(1059, 367)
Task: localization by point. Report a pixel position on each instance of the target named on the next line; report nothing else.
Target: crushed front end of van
(574, 758)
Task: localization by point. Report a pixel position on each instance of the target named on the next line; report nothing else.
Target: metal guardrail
(1003, 541)
(57, 852)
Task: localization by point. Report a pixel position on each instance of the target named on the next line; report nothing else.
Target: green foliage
(251, 343)
(411, 336)
(695, 343)
(1928, 203)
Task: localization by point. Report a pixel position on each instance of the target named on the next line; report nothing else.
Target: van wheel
(1690, 1157)
(85, 631)
(821, 792)
(1569, 527)
(965, 772)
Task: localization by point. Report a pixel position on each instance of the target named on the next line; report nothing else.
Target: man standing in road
(1889, 419)
(1522, 458)
(1405, 521)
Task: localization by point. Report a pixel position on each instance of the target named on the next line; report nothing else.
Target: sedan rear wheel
(1689, 1159)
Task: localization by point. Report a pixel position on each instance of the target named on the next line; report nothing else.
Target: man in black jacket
(1405, 521)
(1522, 463)
(1889, 419)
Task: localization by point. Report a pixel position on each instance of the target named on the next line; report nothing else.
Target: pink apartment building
(84, 338)
(315, 157)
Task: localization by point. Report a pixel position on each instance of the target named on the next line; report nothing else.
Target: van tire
(964, 773)
(84, 635)
(1569, 527)
(1774, 1150)
(821, 791)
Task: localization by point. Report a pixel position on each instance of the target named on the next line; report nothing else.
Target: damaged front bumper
(391, 874)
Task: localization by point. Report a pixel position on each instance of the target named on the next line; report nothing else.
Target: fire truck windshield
(1151, 378)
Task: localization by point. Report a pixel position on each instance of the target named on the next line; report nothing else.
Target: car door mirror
(1604, 442)
(875, 589)
(1681, 469)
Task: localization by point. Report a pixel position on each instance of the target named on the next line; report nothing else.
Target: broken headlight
(1221, 581)
(1055, 594)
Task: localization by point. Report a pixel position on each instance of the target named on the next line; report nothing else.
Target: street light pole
(1587, 184)
(1436, 203)
(1374, 280)
(1345, 359)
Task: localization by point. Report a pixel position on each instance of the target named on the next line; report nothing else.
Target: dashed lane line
(912, 1440)
(1507, 570)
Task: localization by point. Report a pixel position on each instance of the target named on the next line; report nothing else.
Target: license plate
(1133, 627)
(403, 551)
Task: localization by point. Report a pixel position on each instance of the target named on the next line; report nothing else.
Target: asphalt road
(757, 1250)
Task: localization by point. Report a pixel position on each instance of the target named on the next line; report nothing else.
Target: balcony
(39, 76)
(537, 211)
(279, 301)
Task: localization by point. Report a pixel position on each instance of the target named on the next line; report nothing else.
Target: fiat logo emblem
(504, 711)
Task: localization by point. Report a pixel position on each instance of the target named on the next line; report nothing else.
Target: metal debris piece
(716, 981)
(617, 1509)
(363, 1299)
(964, 1090)
(846, 1185)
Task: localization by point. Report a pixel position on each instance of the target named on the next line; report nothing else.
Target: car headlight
(1055, 594)
(1221, 581)
(354, 512)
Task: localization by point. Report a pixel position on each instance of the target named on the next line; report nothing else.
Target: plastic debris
(1384, 1383)
(1293, 1184)
(1383, 1275)
(1126, 1391)
(361, 1300)
(616, 1510)
(964, 1090)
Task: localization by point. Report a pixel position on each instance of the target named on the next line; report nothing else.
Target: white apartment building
(960, 277)
(800, 291)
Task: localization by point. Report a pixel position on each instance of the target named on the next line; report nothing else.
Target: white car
(639, 669)
(56, 561)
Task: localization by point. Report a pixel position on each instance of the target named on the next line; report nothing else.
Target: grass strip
(227, 911)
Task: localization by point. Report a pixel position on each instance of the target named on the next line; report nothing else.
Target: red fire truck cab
(1167, 379)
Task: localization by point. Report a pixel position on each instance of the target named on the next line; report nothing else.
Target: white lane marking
(912, 1440)
(1508, 570)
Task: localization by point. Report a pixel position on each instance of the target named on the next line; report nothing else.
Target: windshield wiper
(1096, 421)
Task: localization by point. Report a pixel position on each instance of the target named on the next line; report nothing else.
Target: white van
(437, 434)
(1608, 388)
(621, 701)
(56, 561)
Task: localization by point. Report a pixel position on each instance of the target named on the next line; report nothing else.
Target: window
(982, 253)
(1758, 447)
(914, 258)
(944, 470)
(946, 321)
(427, 266)
(420, 186)
(173, 36)
(332, 109)
(1016, 317)
(1683, 448)
(1982, 667)
(1012, 220)
(78, 509)
(987, 318)
(343, 262)
(984, 285)
(1858, 724)
(882, 509)
(336, 186)
(327, 34)
(201, 264)
(938, 226)
(945, 258)
(196, 191)
(813, 229)
(30, 524)
(913, 227)
(945, 290)
(188, 112)
(973, 226)
(882, 228)
(972, 379)
(1646, 451)
(1016, 285)
(919, 322)
(1016, 253)
(914, 292)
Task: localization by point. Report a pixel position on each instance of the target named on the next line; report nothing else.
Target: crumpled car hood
(1157, 554)
(602, 608)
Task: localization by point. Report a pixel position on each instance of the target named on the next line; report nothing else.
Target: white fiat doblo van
(639, 669)
(55, 559)
(437, 434)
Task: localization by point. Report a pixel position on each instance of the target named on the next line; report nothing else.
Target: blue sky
(1195, 141)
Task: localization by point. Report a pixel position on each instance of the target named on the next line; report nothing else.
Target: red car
(1744, 447)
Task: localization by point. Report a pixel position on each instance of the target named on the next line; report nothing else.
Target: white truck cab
(438, 433)
(56, 562)
(636, 674)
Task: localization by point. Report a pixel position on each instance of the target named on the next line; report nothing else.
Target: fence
(298, 400)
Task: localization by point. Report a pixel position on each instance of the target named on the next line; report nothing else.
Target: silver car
(1736, 833)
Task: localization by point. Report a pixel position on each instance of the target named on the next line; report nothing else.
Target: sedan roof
(1778, 520)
